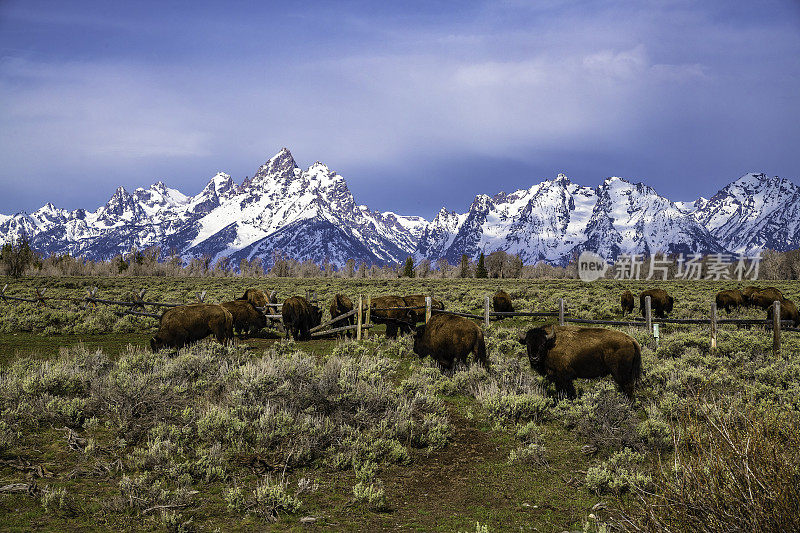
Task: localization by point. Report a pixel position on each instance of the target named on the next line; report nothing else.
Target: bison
(729, 299)
(449, 338)
(247, 319)
(660, 302)
(393, 318)
(627, 302)
(765, 297)
(501, 302)
(564, 353)
(418, 301)
(747, 292)
(340, 305)
(259, 298)
(187, 324)
(788, 312)
(299, 316)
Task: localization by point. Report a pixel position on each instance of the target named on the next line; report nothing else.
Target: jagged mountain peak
(311, 214)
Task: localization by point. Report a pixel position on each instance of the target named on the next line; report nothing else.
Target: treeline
(18, 259)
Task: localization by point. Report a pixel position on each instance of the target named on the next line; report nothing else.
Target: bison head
(316, 316)
(538, 341)
(156, 343)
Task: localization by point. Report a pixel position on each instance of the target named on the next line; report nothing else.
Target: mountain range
(311, 214)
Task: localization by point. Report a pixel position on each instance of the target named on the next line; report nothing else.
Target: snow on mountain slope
(311, 214)
(756, 211)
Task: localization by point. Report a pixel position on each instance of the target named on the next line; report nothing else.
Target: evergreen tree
(464, 272)
(408, 269)
(480, 270)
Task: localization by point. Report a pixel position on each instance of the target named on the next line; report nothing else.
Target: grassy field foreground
(98, 433)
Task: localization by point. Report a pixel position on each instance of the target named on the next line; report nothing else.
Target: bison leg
(391, 330)
(567, 388)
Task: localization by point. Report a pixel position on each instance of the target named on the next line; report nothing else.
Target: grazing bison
(448, 338)
(729, 299)
(393, 318)
(747, 292)
(186, 324)
(259, 298)
(247, 319)
(340, 305)
(788, 312)
(660, 302)
(627, 302)
(299, 316)
(765, 297)
(418, 300)
(564, 353)
(501, 303)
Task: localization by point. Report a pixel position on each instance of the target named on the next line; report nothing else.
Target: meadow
(98, 433)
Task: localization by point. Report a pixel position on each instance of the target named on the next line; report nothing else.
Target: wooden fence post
(713, 327)
(648, 314)
(360, 309)
(486, 312)
(201, 296)
(561, 311)
(3, 292)
(776, 327)
(40, 296)
(366, 318)
(427, 309)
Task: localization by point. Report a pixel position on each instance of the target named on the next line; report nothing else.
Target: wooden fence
(363, 311)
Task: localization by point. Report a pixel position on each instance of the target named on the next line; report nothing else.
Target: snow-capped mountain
(754, 212)
(311, 214)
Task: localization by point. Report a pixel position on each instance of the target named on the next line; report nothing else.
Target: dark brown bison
(448, 339)
(788, 312)
(564, 353)
(393, 318)
(186, 324)
(747, 292)
(501, 303)
(765, 297)
(340, 305)
(247, 319)
(299, 316)
(627, 302)
(729, 299)
(660, 302)
(259, 298)
(418, 300)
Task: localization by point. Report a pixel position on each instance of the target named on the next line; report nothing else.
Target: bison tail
(636, 366)
(480, 350)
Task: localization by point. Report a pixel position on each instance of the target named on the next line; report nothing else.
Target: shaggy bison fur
(788, 312)
(246, 318)
(393, 318)
(729, 299)
(747, 292)
(186, 324)
(660, 302)
(340, 305)
(418, 300)
(765, 297)
(448, 339)
(501, 302)
(564, 353)
(299, 316)
(259, 298)
(627, 302)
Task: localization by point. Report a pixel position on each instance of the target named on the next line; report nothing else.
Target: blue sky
(417, 104)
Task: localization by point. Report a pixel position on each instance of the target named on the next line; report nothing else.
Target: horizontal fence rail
(365, 314)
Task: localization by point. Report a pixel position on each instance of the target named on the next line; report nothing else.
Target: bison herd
(559, 353)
